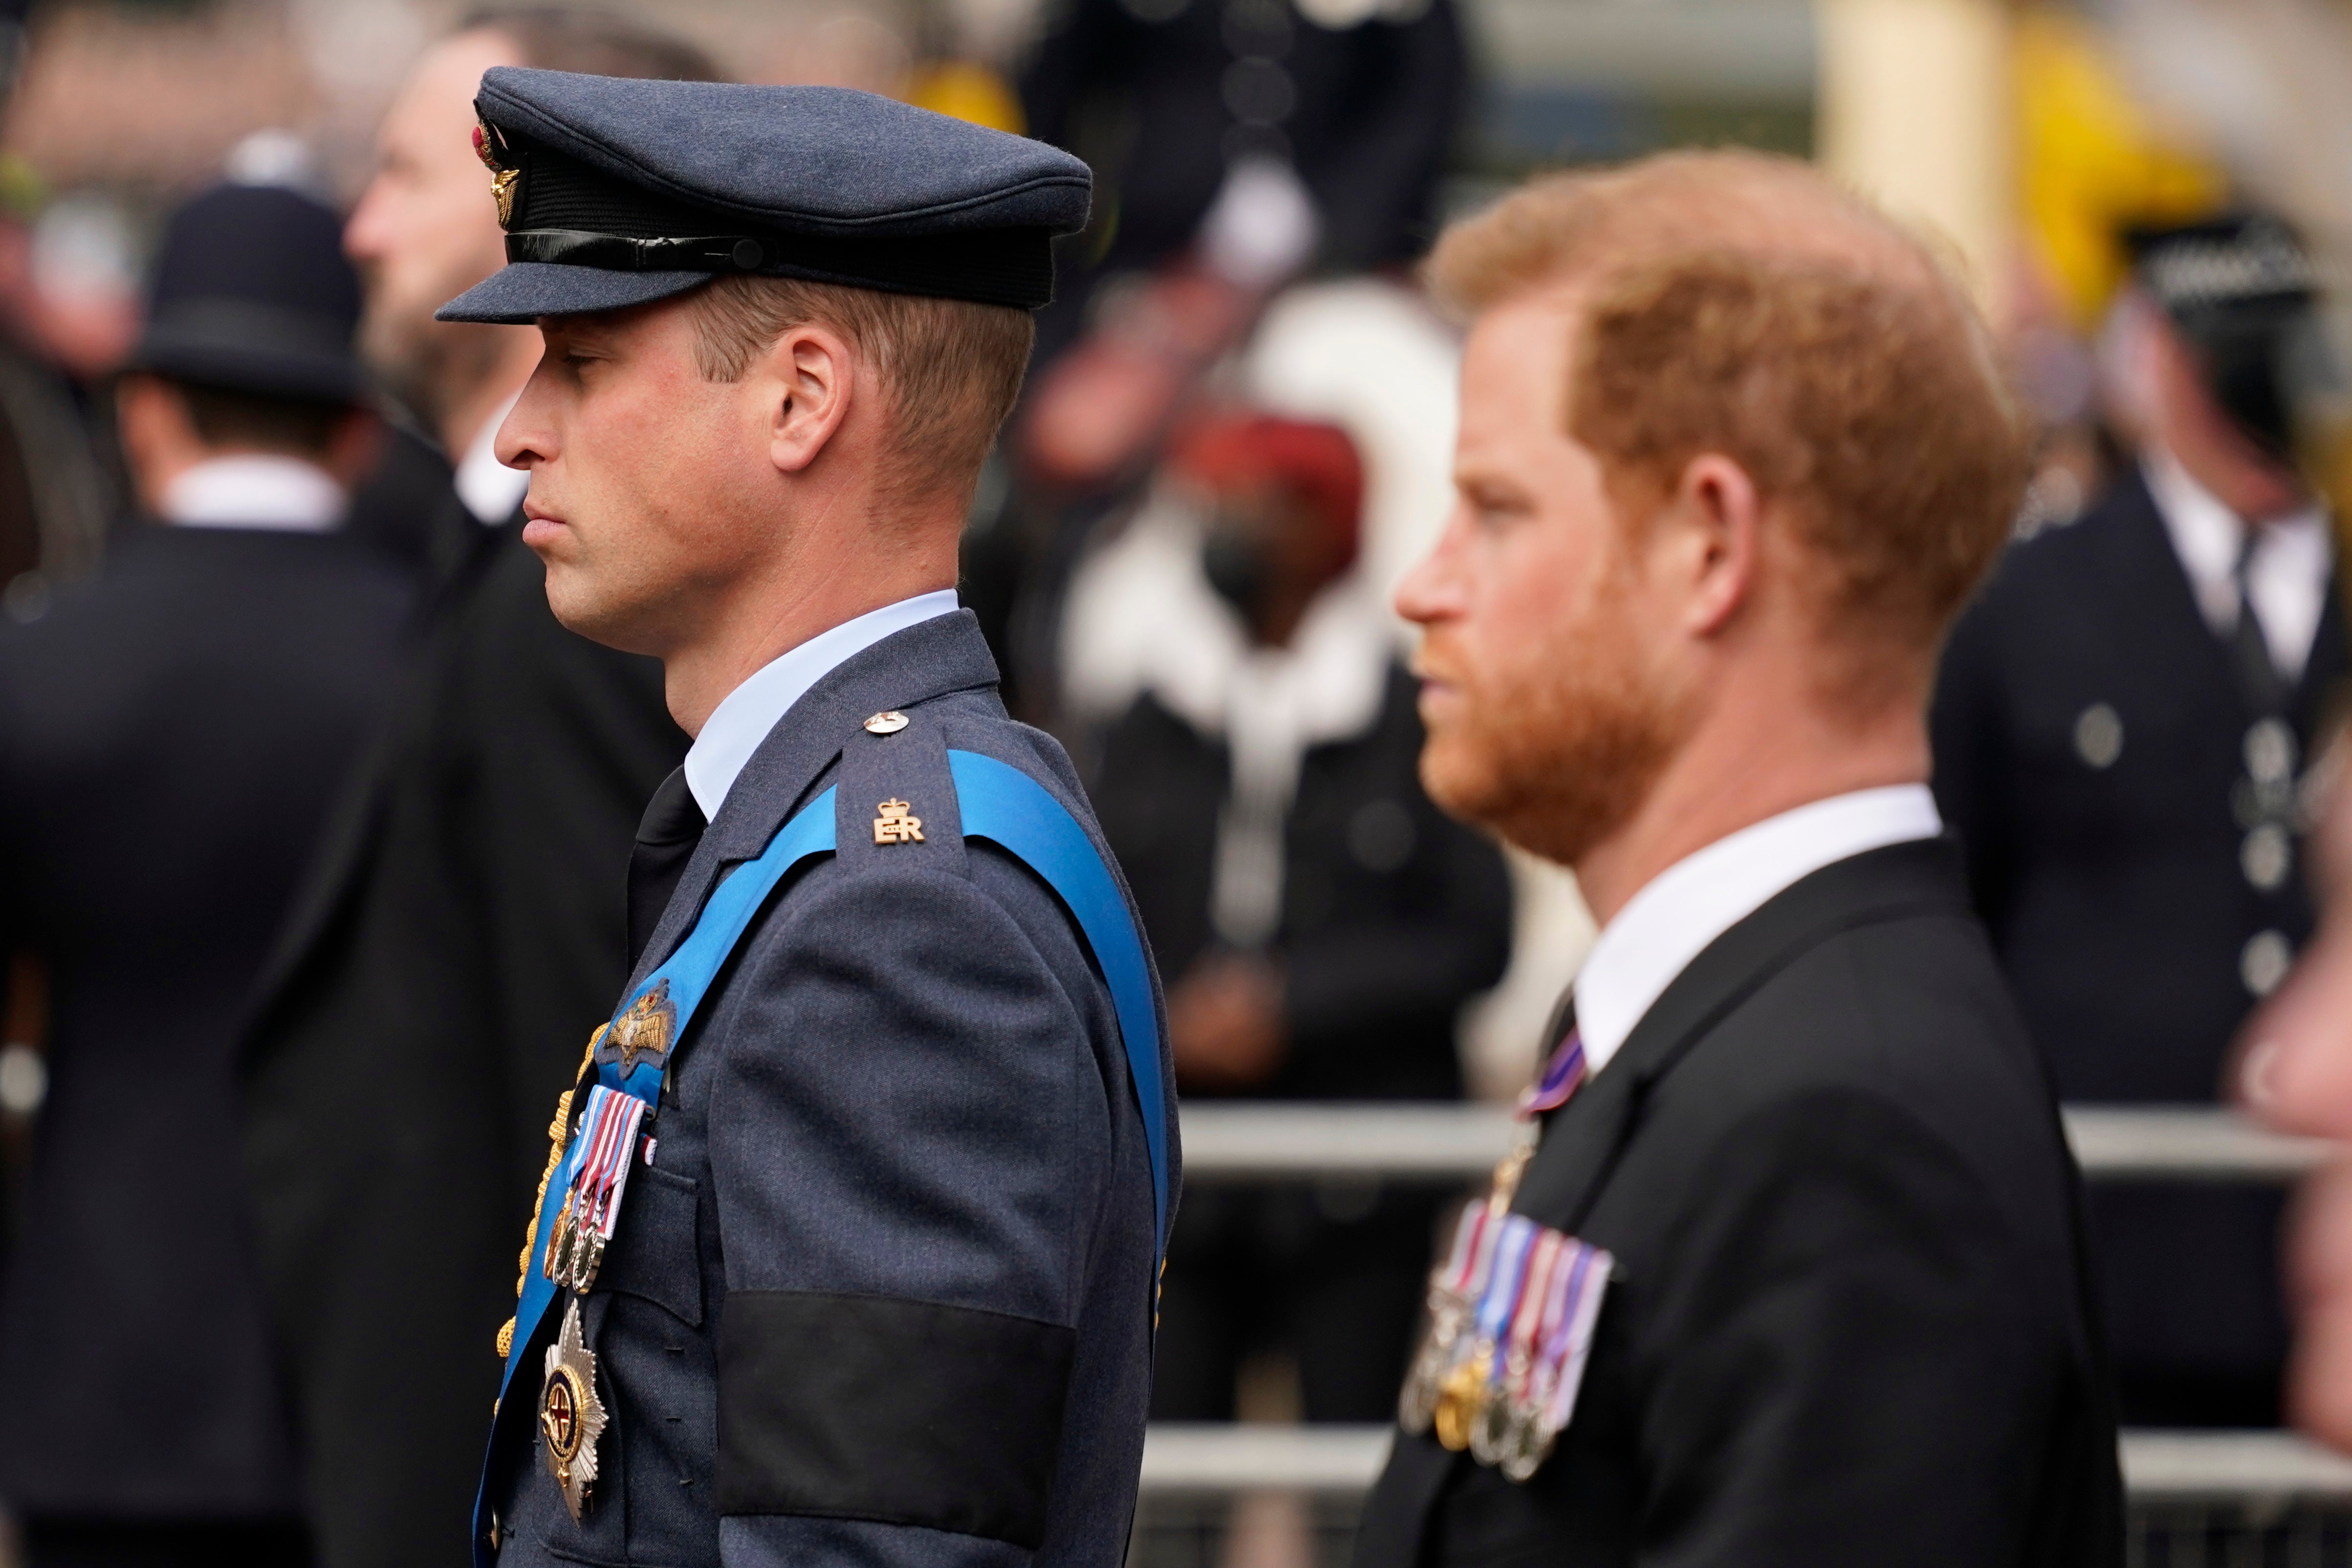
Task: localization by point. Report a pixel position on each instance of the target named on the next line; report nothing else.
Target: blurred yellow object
(967, 90)
(2093, 161)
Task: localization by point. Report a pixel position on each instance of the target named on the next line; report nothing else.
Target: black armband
(880, 1409)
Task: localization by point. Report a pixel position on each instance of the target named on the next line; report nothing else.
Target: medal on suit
(1511, 1314)
(570, 1413)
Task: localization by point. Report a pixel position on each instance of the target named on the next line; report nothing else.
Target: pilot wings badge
(644, 1029)
(570, 1417)
(503, 175)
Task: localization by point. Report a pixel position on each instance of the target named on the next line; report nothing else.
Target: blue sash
(998, 803)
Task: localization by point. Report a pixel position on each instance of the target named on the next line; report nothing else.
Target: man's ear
(1715, 522)
(813, 380)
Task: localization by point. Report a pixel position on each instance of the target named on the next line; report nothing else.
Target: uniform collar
(1681, 910)
(255, 490)
(745, 715)
(927, 659)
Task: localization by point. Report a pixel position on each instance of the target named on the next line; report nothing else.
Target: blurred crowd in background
(1236, 436)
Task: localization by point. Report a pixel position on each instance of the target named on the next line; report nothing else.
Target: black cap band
(568, 214)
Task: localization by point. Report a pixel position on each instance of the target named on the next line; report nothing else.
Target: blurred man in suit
(1788, 1269)
(2121, 725)
(170, 737)
(462, 917)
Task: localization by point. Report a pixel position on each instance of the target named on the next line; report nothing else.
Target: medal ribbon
(1528, 1311)
(610, 1128)
(1568, 1337)
(1518, 1235)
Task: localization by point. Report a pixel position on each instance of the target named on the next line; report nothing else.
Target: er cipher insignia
(895, 826)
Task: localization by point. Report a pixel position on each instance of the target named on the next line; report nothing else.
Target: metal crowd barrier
(1274, 1141)
(1342, 1463)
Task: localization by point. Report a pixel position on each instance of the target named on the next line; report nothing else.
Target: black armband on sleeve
(875, 1408)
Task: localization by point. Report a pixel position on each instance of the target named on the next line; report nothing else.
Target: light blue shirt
(745, 715)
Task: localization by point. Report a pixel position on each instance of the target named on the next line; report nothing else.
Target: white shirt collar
(490, 489)
(745, 715)
(2287, 578)
(255, 490)
(1684, 908)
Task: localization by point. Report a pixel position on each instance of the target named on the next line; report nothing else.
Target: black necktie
(672, 826)
(2249, 651)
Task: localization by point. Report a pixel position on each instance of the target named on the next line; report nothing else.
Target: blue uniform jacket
(884, 1293)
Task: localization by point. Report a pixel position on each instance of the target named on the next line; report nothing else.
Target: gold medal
(1460, 1397)
(570, 1417)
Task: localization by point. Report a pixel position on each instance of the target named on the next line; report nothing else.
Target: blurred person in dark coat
(462, 916)
(1237, 145)
(172, 735)
(2121, 725)
(1321, 922)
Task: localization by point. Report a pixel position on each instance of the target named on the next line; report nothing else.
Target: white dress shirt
(2287, 577)
(745, 715)
(490, 489)
(255, 490)
(1698, 898)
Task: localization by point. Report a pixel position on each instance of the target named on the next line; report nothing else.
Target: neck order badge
(631, 1054)
(1511, 1314)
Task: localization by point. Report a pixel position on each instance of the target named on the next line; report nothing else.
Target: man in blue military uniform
(847, 1246)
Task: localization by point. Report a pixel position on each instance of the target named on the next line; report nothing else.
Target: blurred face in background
(1549, 715)
(426, 230)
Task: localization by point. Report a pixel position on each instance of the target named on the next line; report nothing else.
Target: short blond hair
(1743, 304)
(950, 368)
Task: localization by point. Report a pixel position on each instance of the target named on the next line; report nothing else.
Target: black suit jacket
(171, 738)
(2118, 898)
(460, 935)
(1850, 1322)
(1393, 915)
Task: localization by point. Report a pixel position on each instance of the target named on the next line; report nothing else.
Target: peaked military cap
(619, 191)
(2241, 260)
(2242, 291)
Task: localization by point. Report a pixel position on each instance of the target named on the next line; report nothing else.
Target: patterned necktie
(1562, 1076)
(671, 827)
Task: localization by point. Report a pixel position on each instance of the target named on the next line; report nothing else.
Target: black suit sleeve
(1080, 50)
(1829, 1239)
(1373, 191)
(1346, 981)
(1967, 726)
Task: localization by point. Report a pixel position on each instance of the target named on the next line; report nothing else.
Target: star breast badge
(570, 1417)
(895, 825)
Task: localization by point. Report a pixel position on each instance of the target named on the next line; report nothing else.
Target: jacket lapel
(1583, 1139)
(930, 660)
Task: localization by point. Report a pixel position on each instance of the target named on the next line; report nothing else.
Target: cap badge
(503, 176)
(887, 724)
(895, 826)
